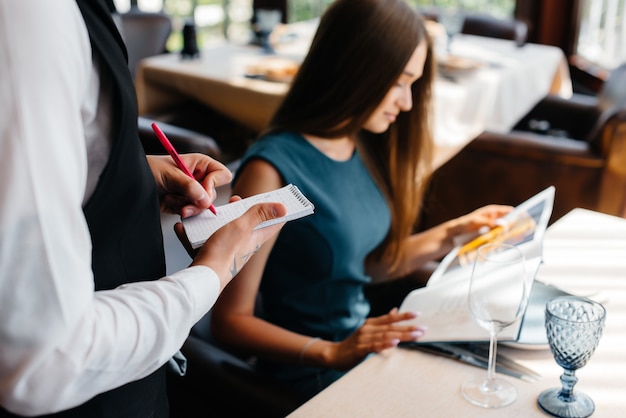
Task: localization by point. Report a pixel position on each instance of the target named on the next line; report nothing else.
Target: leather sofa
(219, 384)
(483, 24)
(577, 144)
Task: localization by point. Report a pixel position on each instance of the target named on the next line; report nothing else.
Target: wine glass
(574, 327)
(498, 294)
(452, 19)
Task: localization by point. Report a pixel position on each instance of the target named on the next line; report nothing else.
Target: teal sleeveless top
(314, 278)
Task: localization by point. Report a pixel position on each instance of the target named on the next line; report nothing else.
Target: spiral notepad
(200, 227)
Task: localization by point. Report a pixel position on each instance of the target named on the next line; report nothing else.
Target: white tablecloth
(508, 83)
(585, 254)
(494, 97)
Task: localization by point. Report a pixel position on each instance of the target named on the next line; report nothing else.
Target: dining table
(498, 83)
(584, 254)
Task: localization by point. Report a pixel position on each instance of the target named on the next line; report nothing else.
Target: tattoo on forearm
(244, 259)
(246, 256)
(234, 270)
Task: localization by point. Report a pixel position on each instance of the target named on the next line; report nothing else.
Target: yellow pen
(481, 239)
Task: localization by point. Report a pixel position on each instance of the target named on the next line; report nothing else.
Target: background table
(584, 253)
(509, 82)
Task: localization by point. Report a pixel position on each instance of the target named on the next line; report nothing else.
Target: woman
(353, 133)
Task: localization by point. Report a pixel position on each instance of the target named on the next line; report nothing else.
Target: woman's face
(399, 98)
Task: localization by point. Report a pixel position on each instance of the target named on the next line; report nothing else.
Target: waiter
(87, 319)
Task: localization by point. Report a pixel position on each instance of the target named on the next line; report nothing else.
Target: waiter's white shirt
(61, 343)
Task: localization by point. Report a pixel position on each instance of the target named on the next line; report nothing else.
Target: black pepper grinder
(190, 42)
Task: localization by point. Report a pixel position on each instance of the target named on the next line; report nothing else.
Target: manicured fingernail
(417, 333)
(394, 342)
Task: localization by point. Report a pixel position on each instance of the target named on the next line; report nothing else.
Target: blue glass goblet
(574, 327)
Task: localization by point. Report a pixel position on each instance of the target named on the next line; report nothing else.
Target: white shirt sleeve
(61, 343)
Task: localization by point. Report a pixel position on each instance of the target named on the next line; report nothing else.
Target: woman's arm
(233, 321)
(235, 325)
(436, 242)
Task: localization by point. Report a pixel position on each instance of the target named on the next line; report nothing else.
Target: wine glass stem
(493, 349)
(568, 380)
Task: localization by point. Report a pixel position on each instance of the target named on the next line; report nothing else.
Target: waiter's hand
(231, 246)
(180, 194)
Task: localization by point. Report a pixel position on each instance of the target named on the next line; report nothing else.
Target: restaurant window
(602, 32)
(219, 20)
(215, 20)
(147, 5)
(498, 8)
(306, 9)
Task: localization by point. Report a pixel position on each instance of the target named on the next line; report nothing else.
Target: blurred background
(219, 20)
(591, 32)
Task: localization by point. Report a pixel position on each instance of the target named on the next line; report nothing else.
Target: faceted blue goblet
(574, 327)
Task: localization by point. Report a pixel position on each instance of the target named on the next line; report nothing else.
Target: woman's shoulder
(276, 143)
(286, 137)
(286, 152)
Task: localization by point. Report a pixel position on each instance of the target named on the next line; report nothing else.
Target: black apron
(123, 218)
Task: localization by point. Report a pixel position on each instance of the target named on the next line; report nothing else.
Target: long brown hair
(359, 51)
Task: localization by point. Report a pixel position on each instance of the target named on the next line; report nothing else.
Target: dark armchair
(183, 139)
(577, 144)
(486, 25)
(220, 384)
(145, 34)
(483, 24)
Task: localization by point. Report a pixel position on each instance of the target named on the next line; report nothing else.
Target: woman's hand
(481, 217)
(375, 335)
(432, 244)
(181, 194)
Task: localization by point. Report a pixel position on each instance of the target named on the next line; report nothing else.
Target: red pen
(172, 152)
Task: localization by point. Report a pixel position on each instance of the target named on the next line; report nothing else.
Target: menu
(442, 304)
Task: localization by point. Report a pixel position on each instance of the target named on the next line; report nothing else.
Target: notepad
(200, 227)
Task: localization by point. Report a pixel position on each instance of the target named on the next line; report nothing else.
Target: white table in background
(493, 97)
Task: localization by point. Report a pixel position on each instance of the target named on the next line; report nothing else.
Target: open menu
(443, 305)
